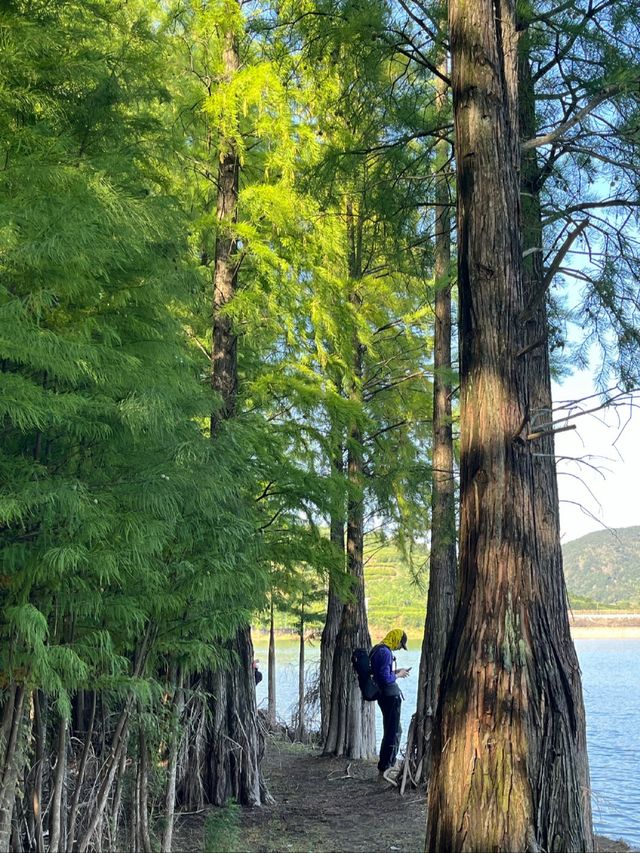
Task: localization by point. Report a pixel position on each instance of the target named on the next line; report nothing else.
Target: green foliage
(117, 512)
(589, 176)
(395, 590)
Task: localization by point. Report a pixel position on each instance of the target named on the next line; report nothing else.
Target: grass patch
(222, 830)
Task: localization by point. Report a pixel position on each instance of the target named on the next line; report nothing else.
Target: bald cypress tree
(509, 718)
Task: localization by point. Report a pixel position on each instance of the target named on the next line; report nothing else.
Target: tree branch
(538, 295)
(549, 138)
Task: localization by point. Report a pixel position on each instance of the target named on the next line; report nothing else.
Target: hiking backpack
(362, 667)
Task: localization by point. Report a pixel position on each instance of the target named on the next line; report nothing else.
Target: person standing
(386, 678)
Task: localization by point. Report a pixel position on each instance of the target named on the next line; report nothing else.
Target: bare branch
(607, 93)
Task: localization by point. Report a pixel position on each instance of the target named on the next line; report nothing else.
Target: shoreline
(605, 632)
(584, 626)
(589, 624)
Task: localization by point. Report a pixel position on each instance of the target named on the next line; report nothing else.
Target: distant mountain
(603, 568)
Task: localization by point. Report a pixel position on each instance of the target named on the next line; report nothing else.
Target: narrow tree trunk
(334, 609)
(136, 832)
(234, 746)
(81, 770)
(143, 791)
(224, 373)
(118, 746)
(177, 706)
(442, 558)
(55, 814)
(12, 720)
(300, 733)
(506, 703)
(117, 798)
(39, 752)
(109, 770)
(351, 731)
(271, 668)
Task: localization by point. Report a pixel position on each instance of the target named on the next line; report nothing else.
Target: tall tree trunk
(177, 706)
(39, 753)
(234, 747)
(75, 801)
(334, 610)
(300, 733)
(506, 703)
(224, 362)
(56, 834)
(567, 793)
(271, 668)
(442, 558)
(11, 733)
(143, 789)
(351, 730)
(114, 823)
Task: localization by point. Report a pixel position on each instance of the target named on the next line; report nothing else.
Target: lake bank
(584, 624)
(611, 681)
(606, 625)
(327, 805)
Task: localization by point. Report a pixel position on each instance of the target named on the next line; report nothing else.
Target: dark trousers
(390, 707)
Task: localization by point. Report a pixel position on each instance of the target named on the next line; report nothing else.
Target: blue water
(611, 685)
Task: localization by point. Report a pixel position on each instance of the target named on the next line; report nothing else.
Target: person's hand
(402, 673)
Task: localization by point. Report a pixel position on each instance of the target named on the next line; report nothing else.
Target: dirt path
(322, 805)
(328, 804)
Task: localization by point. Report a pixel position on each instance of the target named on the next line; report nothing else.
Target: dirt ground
(322, 805)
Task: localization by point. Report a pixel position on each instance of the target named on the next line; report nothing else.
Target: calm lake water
(611, 684)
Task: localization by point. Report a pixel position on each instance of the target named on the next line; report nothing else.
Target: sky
(610, 442)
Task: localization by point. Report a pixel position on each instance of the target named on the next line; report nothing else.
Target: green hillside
(603, 568)
(395, 595)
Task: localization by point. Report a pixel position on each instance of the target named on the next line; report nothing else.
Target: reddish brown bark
(334, 613)
(351, 729)
(507, 729)
(233, 747)
(442, 557)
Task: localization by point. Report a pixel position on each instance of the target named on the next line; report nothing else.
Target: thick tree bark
(234, 740)
(224, 362)
(442, 558)
(351, 731)
(334, 613)
(567, 794)
(506, 731)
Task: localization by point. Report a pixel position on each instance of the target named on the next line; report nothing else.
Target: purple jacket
(382, 670)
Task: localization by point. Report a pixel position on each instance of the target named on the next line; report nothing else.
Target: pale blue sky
(611, 496)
